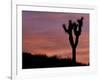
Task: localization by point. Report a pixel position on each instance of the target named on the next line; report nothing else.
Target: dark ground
(42, 61)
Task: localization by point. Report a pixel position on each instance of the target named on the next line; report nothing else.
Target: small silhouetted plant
(76, 28)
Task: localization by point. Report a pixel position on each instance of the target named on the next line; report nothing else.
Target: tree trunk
(73, 55)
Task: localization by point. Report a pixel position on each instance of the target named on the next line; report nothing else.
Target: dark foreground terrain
(42, 61)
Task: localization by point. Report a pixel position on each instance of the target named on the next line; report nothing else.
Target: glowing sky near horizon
(43, 34)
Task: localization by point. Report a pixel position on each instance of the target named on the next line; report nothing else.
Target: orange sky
(43, 34)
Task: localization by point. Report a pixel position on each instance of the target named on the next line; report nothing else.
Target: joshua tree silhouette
(76, 28)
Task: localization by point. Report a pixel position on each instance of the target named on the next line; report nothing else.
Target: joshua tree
(76, 28)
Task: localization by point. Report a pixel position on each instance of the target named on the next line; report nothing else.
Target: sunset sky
(43, 34)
